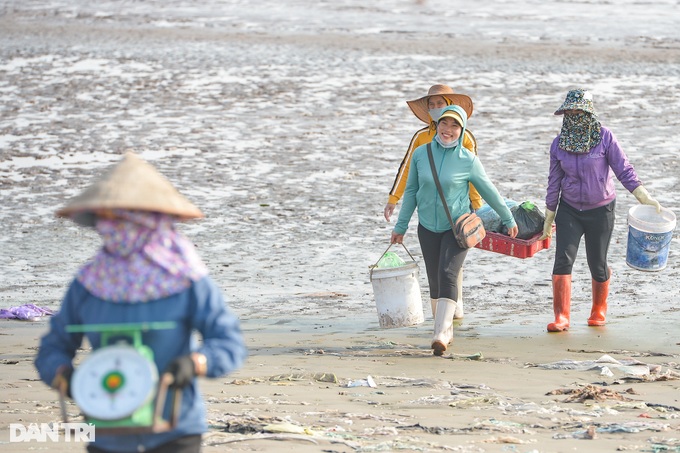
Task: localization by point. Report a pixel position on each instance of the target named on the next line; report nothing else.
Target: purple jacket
(585, 181)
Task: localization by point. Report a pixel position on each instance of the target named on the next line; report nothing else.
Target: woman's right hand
(389, 210)
(396, 238)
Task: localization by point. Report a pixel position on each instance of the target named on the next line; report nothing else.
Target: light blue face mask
(453, 144)
(436, 113)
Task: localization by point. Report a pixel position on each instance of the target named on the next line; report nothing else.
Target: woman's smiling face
(449, 130)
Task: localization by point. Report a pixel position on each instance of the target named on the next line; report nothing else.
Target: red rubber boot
(599, 310)
(561, 302)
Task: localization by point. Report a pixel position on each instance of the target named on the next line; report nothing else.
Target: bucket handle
(373, 266)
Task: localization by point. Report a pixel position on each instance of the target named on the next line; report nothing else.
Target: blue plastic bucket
(649, 237)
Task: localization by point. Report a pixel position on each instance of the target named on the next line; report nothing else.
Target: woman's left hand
(512, 232)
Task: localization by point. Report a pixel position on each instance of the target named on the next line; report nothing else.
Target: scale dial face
(113, 382)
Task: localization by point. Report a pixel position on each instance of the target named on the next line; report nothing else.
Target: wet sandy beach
(287, 134)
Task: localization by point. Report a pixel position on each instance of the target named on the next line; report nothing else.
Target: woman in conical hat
(427, 109)
(145, 272)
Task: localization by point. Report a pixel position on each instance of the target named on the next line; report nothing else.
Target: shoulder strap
(439, 186)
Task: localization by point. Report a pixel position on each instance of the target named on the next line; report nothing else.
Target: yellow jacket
(422, 137)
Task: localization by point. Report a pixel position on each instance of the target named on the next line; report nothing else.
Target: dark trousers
(443, 262)
(186, 444)
(596, 225)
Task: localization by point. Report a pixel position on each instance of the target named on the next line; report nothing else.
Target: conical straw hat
(132, 184)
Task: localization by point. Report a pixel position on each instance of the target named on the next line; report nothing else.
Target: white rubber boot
(433, 304)
(459, 305)
(443, 325)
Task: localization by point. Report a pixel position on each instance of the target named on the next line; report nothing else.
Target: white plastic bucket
(649, 237)
(397, 296)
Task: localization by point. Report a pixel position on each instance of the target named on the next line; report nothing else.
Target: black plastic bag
(529, 220)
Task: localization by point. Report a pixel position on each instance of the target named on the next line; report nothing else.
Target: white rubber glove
(547, 224)
(643, 197)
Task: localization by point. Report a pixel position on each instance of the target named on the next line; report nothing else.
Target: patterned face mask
(143, 258)
(580, 132)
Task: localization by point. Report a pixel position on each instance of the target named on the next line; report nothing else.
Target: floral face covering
(143, 258)
(580, 132)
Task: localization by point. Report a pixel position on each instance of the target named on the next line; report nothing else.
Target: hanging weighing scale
(117, 387)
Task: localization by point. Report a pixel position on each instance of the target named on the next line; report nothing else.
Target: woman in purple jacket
(581, 200)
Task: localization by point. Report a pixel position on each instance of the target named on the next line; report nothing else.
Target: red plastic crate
(519, 248)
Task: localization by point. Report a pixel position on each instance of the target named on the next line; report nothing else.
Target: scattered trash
(216, 438)
(400, 381)
(663, 407)
(502, 426)
(605, 364)
(628, 427)
(26, 312)
(631, 369)
(591, 392)
(486, 400)
(630, 405)
(325, 377)
(663, 444)
(475, 356)
(584, 365)
(368, 382)
(623, 352)
(584, 421)
(319, 377)
(506, 440)
(591, 433)
(432, 429)
(605, 371)
(287, 428)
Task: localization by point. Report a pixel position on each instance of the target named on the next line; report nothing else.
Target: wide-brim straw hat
(419, 106)
(132, 184)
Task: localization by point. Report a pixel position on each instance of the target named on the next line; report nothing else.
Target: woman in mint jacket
(428, 109)
(457, 167)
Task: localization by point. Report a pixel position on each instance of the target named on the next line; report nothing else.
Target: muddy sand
(289, 141)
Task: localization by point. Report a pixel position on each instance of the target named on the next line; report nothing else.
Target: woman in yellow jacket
(427, 109)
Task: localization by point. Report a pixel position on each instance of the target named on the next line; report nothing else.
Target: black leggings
(597, 226)
(443, 262)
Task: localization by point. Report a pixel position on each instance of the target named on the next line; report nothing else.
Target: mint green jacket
(457, 168)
